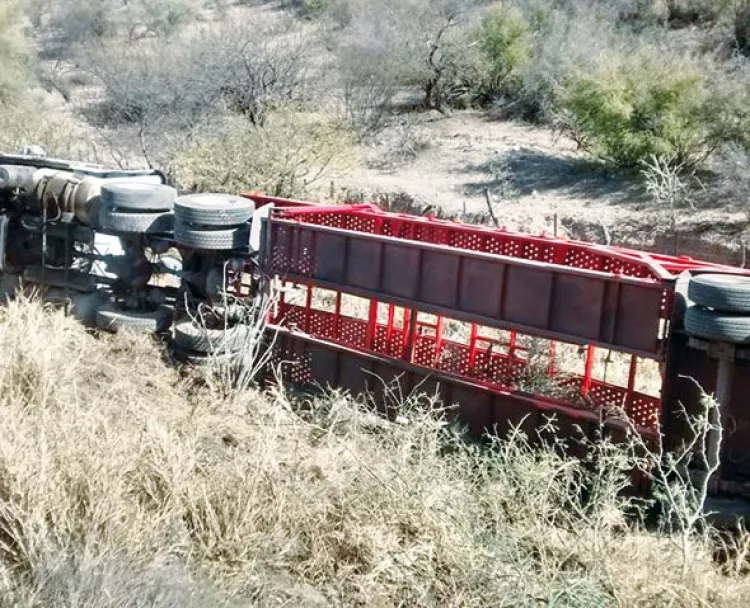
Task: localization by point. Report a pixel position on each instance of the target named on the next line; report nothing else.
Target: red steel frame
(546, 299)
(555, 289)
(489, 362)
(371, 219)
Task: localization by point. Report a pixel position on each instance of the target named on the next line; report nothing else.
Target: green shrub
(286, 156)
(647, 103)
(458, 77)
(314, 7)
(564, 42)
(685, 12)
(505, 43)
(166, 16)
(79, 21)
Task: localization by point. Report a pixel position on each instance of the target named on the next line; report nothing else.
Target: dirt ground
(530, 174)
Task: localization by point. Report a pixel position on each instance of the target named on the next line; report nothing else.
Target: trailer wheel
(189, 336)
(723, 292)
(719, 326)
(201, 359)
(212, 239)
(114, 319)
(115, 220)
(213, 209)
(135, 196)
(231, 313)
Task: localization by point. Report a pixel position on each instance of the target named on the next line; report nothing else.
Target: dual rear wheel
(721, 308)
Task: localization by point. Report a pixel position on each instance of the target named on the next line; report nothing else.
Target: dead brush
(234, 367)
(535, 376)
(123, 484)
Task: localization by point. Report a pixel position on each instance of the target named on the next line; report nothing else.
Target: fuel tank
(67, 195)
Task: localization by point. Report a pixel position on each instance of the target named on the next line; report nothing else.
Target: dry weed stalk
(681, 479)
(238, 366)
(123, 483)
(671, 184)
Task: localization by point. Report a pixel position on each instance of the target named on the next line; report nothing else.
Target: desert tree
(416, 43)
(165, 89)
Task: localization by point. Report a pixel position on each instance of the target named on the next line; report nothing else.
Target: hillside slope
(126, 482)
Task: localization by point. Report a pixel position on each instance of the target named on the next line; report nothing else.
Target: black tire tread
(137, 196)
(718, 326)
(722, 292)
(237, 237)
(114, 319)
(135, 222)
(191, 337)
(213, 209)
(200, 359)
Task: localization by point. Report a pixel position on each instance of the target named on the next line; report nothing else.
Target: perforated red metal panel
(490, 367)
(544, 248)
(482, 408)
(545, 299)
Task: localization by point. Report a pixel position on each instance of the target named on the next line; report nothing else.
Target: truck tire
(213, 209)
(214, 240)
(189, 336)
(114, 319)
(199, 359)
(718, 326)
(231, 313)
(136, 196)
(722, 292)
(114, 220)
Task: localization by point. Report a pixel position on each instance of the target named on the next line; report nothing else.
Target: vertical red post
(512, 344)
(389, 329)
(473, 347)
(586, 387)
(408, 333)
(439, 338)
(405, 326)
(552, 370)
(372, 322)
(308, 308)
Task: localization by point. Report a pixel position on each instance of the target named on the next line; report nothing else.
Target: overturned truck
(509, 328)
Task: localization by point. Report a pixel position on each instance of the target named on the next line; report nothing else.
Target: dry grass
(291, 153)
(35, 123)
(124, 482)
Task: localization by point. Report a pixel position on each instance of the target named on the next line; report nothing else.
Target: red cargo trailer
(373, 297)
